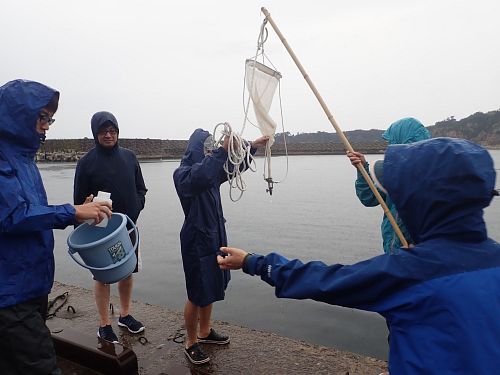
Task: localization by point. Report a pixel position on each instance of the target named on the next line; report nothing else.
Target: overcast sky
(164, 67)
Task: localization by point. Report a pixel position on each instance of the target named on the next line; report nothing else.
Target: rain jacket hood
(100, 119)
(406, 130)
(20, 104)
(443, 193)
(194, 151)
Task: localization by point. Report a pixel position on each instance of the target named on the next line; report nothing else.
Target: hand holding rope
(238, 159)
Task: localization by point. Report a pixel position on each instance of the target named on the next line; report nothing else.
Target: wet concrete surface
(159, 348)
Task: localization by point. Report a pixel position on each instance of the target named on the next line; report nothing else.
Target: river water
(313, 215)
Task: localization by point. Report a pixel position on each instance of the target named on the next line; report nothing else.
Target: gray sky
(164, 67)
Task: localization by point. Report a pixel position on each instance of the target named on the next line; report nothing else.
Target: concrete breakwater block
(93, 352)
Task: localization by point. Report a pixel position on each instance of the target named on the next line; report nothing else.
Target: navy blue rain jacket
(114, 170)
(441, 299)
(26, 219)
(197, 181)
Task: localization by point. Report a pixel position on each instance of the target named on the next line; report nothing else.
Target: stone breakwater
(71, 150)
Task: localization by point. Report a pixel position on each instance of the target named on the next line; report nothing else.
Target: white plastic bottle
(103, 196)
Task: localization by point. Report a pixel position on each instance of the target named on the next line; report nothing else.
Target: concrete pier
(159, 347)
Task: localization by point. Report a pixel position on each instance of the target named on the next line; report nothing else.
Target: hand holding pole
(341, 135)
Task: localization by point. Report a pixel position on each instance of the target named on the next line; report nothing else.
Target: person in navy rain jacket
(441, 298)
(197, 181)
(26, 223)
(111, 168)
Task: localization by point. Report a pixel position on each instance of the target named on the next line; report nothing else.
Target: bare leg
(191, 312)
(101, 293)
(125, 291)
(205, 314)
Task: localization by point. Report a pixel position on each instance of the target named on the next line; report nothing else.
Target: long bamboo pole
(341, 135)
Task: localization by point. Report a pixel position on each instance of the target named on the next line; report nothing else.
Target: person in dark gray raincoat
(111, 168)
(197, 181)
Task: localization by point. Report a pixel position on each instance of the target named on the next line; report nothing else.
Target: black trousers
(25, 342)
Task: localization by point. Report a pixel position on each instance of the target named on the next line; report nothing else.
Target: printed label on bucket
(117, 252)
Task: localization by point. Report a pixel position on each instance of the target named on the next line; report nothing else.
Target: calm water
(313, 215)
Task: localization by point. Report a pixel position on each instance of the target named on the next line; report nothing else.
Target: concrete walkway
(250, 351)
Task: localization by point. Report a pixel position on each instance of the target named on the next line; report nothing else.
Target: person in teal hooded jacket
(404, 131)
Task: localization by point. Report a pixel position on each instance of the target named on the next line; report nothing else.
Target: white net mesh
(261, 82)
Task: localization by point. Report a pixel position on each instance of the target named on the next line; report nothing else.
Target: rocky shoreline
(71, 150)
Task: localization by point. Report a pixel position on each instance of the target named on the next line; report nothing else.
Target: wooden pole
(341, 135)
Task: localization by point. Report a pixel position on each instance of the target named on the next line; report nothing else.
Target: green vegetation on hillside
(482, 128)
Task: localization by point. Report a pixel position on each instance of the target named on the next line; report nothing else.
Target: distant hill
(354, 136)
(482, 128)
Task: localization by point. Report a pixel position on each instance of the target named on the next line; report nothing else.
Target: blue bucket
(107, 252)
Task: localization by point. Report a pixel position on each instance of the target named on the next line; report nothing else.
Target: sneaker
(132, 325)
(214, 338)
(196, 355)
(106, 333)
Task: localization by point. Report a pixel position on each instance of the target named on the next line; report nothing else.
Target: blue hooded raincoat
(197, 181)
(441, 299)
(404, 131)
(26, 219)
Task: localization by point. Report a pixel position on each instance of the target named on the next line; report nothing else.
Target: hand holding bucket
(107, 252)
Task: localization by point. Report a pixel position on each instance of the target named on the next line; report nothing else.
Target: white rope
(260, 46)
(267, 153)
(238, 158)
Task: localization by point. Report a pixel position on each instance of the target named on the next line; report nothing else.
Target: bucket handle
(134, 228)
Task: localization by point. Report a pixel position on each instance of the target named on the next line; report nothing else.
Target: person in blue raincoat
(197, 182)
(26, 223)
(404, 131)
(440, 298)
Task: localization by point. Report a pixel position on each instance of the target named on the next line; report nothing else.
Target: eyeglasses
(46, 119)
(111, 131)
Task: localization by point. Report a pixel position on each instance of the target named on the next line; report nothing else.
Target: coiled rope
(238, 160)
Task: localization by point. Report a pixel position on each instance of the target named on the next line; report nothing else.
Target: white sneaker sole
(102, 338)
(196, 362)
(125, 326)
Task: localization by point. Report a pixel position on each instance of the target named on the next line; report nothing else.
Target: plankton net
(262, 82)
